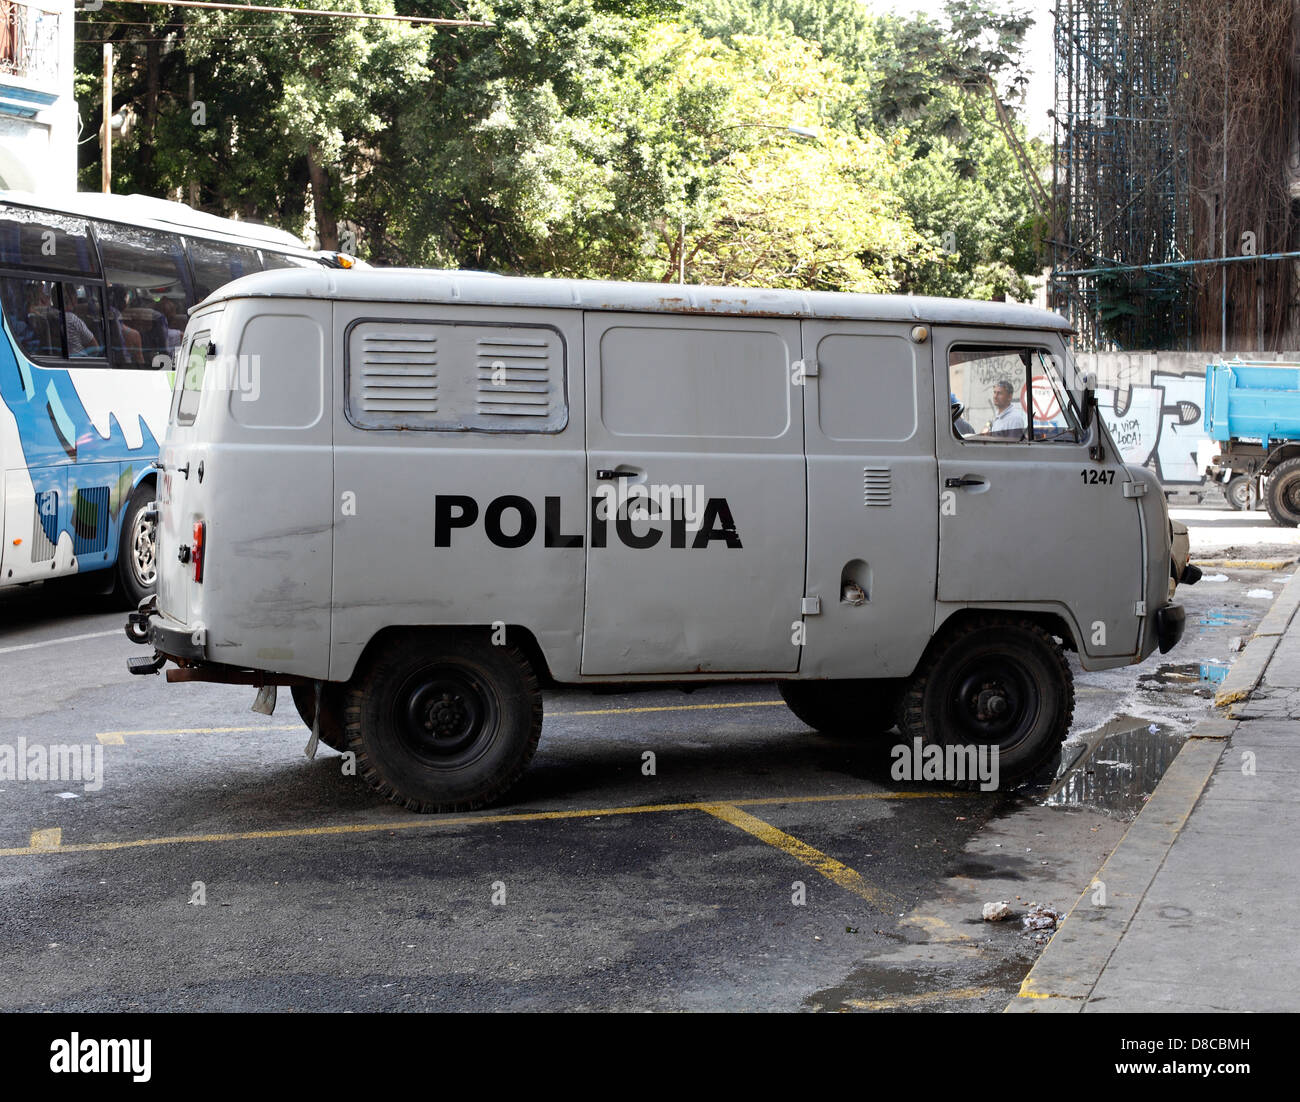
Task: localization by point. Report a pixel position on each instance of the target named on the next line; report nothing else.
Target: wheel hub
(991, 703)
(447, 715)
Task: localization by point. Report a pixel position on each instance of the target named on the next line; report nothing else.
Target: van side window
(694, 382)
(189, 379)
(1009, 395)
(448, 376)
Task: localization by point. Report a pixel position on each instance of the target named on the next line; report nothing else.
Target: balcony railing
(29, 41)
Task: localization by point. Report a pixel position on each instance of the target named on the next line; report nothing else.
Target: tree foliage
(594, 138)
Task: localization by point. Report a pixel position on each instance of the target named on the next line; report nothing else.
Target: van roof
(417, 285)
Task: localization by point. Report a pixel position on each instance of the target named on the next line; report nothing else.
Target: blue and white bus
(95, 291)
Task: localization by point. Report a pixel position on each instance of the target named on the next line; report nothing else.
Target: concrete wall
(1152, 404)
(38, 112)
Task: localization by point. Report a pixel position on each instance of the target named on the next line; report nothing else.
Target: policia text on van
(452, 489)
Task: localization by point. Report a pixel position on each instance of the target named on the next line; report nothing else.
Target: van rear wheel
(444, 721)
(844, 708)
(994, 681)
(331, 718)
(1282, 494)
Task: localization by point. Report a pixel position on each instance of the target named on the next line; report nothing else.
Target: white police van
(418, 498)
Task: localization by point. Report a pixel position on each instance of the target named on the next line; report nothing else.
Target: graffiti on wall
(1158, 423)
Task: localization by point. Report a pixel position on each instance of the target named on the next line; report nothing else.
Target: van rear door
(695, 544)
(178, 462)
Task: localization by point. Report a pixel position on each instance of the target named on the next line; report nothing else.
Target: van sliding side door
(695, 540)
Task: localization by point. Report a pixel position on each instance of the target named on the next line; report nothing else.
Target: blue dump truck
(1252, 411)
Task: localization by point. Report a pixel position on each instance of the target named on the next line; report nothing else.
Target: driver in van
(1009, 420)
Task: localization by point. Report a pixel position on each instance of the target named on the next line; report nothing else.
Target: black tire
(985, 663)
(331, 719)
(1237, 491)
(443, 721)
(137, 548)
(844, 708)
(1283, 494)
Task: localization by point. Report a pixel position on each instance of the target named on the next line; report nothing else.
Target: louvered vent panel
(45, 525)
(514, 376)
(877, 486)
(398, 373)
(456, 376)
(90, 520)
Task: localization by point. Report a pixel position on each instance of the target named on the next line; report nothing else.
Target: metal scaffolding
(1155, 243)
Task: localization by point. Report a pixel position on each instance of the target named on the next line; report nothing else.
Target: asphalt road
(761, 866)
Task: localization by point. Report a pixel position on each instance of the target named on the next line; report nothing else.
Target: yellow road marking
(49, 839)
(830, 868)
(116, 738)
(919, 1000)
(667, 708)
(430, 822)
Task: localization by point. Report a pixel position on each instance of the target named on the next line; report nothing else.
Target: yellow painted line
(49, 839)
(830, 868)
(116, 738)
(431, 822)
(1245, 564)
(920, 1000)
(667, 708)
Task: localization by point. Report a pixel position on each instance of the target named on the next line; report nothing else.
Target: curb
(1067, 971)
(1245, 564)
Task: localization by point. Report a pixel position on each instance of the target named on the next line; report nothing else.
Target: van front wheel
(994, 681)
(443, 721)
(843, 708)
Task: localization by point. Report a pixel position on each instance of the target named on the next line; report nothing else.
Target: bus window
(143, 269)
(54, 319)
(272, 260)
(45, 240)
(216, 264)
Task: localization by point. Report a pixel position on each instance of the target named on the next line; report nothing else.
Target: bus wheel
(137, 562)
(1282, 495)
(1237, 491)
(994, 681)
(844, 708)
(331, 716)
(443, 721)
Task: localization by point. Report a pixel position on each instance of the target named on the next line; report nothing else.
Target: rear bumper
(1170, 622)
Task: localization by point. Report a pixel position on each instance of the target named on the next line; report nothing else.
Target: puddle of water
(1119, 767)
(1214, 671)
(1227, 616)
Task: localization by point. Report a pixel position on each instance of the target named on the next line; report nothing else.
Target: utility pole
(106, 174)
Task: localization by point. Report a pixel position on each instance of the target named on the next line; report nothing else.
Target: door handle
(956, 483)
(604, 474)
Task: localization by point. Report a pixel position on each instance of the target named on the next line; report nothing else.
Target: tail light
(196, 551)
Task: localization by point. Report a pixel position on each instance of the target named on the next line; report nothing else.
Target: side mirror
(1089, 399)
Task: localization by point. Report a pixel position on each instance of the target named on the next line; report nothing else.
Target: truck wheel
(137, 561)
(1237, 491)
(859, 707)
(1282, 495)
(997, 681)
(331, 719)
(443, 721)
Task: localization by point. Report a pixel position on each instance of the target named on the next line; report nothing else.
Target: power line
(208, 4)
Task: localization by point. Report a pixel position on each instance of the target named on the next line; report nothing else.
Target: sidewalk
(1196, 910)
